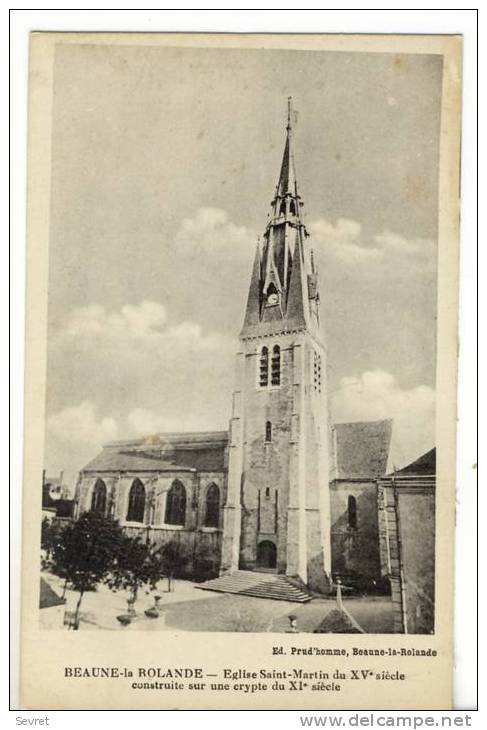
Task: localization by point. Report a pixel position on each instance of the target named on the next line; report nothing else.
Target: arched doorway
(266, 555)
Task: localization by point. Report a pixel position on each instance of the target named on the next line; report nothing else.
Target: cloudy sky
(164, 165)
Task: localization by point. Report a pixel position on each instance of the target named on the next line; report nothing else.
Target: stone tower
(277, 513)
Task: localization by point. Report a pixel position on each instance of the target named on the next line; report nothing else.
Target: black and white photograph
(241, 366)
(240, 408)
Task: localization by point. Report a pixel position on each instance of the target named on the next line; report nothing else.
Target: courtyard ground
(188, 608)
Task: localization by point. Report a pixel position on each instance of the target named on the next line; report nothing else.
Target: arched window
(276, 365)
(282, 209)
(176, 504)
(292, 208)
(136, 509)
(99, 497)
(264, 368)
(352, 512)
(212, 515)
(268, 431)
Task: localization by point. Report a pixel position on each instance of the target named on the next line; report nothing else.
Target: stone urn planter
(154, 611)
(131, 606)
(293, 624)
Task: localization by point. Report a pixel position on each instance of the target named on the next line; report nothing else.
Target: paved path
(189, 609)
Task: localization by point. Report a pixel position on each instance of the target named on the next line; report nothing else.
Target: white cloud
(135, 373)
(344, 243)
(210, 231)
(145, 324)
(81, 424)
(143, 320)
(345, 231)
(375, 395)
(143, 422)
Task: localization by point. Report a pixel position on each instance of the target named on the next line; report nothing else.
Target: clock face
(272, 299)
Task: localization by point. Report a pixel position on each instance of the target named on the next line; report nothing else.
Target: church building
(283, 490)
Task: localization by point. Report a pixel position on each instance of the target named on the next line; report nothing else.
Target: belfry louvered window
(276, 365)
(264, 368)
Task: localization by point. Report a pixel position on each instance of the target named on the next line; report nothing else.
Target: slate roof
(425, 465)
(189, 439)
(203, 451)
(362, 448)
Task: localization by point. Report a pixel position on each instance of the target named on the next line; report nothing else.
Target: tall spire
(283, 292)
(287, 178)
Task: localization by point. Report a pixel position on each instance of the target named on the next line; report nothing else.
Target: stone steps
(258, 585)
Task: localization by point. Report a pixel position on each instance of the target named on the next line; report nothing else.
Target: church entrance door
(266, 555)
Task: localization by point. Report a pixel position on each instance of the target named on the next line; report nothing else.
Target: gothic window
(268, 431)
(212, 516)
(264, 368)
(136, 509)
(352, 512)
(292, 208)
(317, 372)
(99, 497)
(176, 504)
(282, 209)
(276, 365)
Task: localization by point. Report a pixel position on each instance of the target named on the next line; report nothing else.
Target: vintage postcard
(241, 371)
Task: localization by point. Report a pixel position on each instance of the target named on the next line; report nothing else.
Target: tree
(136, 564)
(86, 553)
(51, 533)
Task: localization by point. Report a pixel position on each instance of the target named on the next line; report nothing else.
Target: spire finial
(289, 109)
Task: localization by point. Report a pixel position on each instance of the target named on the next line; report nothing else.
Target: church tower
(277, 514)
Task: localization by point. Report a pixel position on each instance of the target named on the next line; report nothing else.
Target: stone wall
(417, 538)
(199, 546)
(199, 550)
(156, 488)
(355, 550)
(407, 549)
